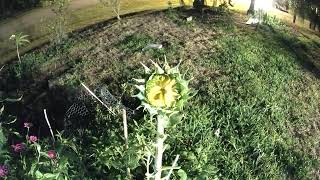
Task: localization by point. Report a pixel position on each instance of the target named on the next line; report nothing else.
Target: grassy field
(255, 116)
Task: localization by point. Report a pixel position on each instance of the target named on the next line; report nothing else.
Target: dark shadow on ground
(304, 56)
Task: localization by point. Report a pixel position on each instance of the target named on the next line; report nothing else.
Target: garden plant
(163, 94)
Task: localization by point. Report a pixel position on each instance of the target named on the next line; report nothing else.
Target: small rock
(189, 19)
(253, 21)
(152, 46)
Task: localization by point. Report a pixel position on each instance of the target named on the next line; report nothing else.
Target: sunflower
(161, 91)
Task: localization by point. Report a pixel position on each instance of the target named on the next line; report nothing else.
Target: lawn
(255, 114)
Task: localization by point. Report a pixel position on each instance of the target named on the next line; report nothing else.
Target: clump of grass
(135, 43)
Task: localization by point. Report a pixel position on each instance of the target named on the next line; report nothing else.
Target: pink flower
(33, 139)
(27, 125)
(52, 154)
(4, 171)
(18, 148)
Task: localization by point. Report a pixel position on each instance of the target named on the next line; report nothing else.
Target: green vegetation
(58, 26)
(115, 4)
(254, 115)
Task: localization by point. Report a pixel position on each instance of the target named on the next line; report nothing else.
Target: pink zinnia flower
(27, 125)
(33, 139)
(52, 154)
(18, 148)
(4, 171)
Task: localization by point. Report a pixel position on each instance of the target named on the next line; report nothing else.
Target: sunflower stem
(159, 146)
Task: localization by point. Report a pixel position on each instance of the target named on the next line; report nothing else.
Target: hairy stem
(18, 53)
(159, 147)
(125, 129)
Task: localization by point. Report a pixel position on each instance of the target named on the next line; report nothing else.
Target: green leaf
(139, 80)
(39, 175)
(12, 99)
(49, 176)
(141, 88)
(3, 139)
(139, 96)
(1, 110)
(182, 174)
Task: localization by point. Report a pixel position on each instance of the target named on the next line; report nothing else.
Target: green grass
(254, 116)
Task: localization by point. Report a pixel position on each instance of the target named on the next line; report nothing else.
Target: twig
(1, 68)
(97, 98)
(46, 116)
(172, 167)
(125, 127)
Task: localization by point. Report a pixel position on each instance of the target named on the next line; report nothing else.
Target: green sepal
(146, 69)
(141, 88)
(140, 96)
(140, 80)
(158, 68)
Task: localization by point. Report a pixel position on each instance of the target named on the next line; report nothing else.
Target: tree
(251, 8)
(115, 5)
(306, 9)
(198, 4)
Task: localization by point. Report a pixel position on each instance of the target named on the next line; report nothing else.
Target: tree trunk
(251, 8)
(310, 24)
(230, 3)
(182, 3)
(1, 8)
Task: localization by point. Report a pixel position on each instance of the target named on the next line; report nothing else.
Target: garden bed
(254, 116)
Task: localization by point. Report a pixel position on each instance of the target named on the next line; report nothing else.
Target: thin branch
(96, 97)
(172, 167)
(1, 68)
(46, 117)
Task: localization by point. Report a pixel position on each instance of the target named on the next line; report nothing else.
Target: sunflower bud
(161, 91)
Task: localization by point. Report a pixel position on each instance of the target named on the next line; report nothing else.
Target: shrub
(58, 27)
